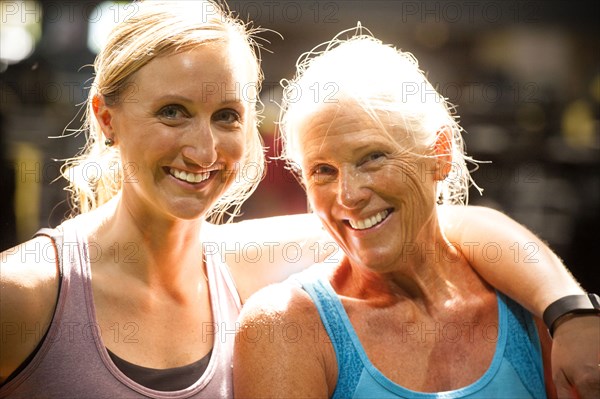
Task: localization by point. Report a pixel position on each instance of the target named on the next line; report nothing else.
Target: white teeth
(189, 176)
(369, 222)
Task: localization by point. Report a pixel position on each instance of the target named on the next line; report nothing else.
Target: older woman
(402, 314)
(133, 297)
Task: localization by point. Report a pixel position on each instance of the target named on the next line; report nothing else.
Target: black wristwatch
(589, 303)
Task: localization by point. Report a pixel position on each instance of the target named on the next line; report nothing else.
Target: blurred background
(524, 75)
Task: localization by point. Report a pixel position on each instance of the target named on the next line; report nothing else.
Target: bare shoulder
(280, 330)
(279, 304)
(26, 269)
(28, 294)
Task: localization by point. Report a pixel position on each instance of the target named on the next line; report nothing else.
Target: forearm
(260, 252)
(510, 257)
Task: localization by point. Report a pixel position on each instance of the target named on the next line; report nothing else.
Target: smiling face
(181, 128)
(372, 192)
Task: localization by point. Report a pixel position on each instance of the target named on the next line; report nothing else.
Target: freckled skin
(393, 274)
(352, 170)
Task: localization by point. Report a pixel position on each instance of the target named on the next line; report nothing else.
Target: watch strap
(589, 303)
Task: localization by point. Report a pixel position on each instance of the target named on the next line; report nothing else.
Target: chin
(378, 267)
(375, 263)
(190, 216)
(188, 211)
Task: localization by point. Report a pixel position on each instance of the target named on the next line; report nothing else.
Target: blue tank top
(515, 371)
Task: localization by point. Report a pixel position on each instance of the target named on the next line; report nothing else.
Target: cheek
(414, 178)
(318, 201)
(416, 188)
(231, 151)
(313, 198)
(419, 203)
(233, 147)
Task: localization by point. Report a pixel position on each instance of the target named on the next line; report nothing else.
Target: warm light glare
(16, 44)
(578, 124)
(20, 29)
(109, 13)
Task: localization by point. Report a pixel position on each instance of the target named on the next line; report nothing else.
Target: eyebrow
(373, 143)
(174, 97)
(363, 147)
(185, 99)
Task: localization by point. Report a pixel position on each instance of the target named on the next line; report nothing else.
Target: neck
(431, 276)
(159, 252)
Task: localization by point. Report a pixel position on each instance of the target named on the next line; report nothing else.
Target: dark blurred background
(524, 75)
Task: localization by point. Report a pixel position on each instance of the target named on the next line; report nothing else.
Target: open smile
(189, 177)
(370, 222)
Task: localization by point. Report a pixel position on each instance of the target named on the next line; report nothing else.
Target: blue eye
(374, 156)
(172, 112)
(323, 170)
(322, 173)
(227, 116)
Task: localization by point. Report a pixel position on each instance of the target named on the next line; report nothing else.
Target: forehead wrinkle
(329, 128)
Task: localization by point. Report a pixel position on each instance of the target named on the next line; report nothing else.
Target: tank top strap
(226, 305)
(57, 237)
(222, 287)
(340, 332)
(523, 348)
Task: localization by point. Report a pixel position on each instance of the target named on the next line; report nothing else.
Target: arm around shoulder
(264, 251)
(529, 272)
(28, 294)
(509, 256)
(280, 348)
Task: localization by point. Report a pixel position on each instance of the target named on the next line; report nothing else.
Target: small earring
(440, 200)
(109, 142)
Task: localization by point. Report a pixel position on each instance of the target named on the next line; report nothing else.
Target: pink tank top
(73, 361)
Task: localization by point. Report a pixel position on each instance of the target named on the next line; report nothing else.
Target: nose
(352, 188)
(200, 145)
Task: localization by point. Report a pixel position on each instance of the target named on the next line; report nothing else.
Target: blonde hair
(157, 29)
(382, 80)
